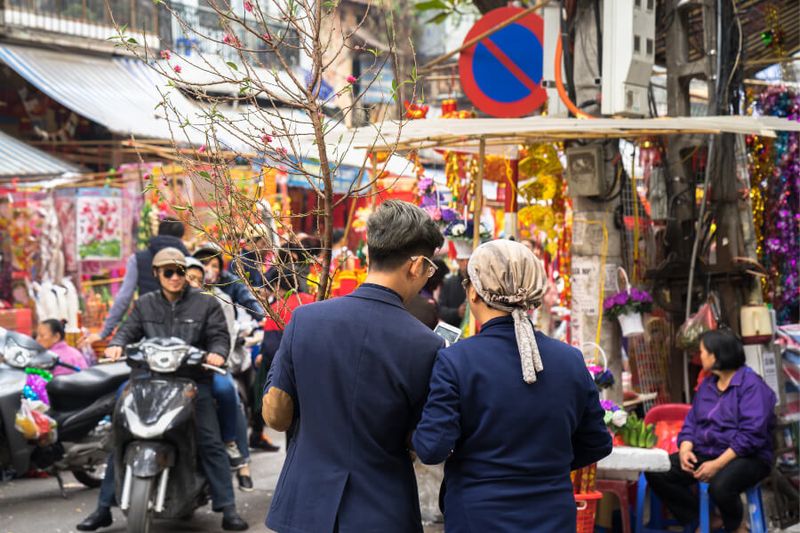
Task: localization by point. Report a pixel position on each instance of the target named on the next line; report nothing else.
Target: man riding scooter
(197, 318)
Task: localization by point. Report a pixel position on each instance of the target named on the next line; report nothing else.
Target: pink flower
(266, 36)
(230, 40)
(351, 79)
(202, 149)
(166, 55)
(266, 139)
(146, 176)
(248, 6)
(177, 69)
(281, 151)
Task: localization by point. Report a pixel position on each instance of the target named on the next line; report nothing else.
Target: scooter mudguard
(149, 458)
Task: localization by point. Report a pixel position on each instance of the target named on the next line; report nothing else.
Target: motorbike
(80, 404)
(155, 455)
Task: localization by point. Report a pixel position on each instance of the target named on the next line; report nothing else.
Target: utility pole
(597, 242)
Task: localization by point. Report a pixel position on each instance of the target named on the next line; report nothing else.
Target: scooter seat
(75, 391)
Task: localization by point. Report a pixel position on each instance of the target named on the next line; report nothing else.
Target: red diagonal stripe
(509, 64)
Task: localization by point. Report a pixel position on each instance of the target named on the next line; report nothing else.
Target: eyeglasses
(169, 272)
(465, 283)
(432, 268)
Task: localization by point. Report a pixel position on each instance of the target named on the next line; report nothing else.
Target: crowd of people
(511, 411)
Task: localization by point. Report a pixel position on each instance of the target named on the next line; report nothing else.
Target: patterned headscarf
(510, 278)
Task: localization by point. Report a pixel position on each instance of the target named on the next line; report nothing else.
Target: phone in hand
(450, 334)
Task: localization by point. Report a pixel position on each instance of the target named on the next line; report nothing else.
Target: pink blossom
(266, 36)
(177, 69)
(146, 177)
(248, 6)
(266, 139)
(281, 151)
(351, 79)
(230, 40)
(166, 55)
(202, 149)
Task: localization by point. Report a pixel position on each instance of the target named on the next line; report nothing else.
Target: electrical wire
(562, 93)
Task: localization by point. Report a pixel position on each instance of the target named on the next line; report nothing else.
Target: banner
(99, 224)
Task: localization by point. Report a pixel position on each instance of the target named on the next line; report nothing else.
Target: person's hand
(688, 460)
(708, 470)
(259, 358)
(114, 352)
(214, 359)
(86, 341)
(462, 310)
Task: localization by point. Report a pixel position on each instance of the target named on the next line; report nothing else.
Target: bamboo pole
(478, 198)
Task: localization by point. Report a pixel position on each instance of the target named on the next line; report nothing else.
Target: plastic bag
(706, 319)
(33, 423)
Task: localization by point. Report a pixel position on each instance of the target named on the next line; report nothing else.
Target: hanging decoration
(775, 171)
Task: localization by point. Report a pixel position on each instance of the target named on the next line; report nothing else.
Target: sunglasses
(432, 268)
(169, 272)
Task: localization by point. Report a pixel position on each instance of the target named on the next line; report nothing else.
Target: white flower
(619, 418)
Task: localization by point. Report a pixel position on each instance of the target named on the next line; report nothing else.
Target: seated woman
(726, 440)
(512, 411)
(50, 334)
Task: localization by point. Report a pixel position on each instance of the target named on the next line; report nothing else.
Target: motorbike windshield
(151, 398)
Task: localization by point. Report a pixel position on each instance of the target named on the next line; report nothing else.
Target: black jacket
(451, 296)
(146, 282)
(196, 317)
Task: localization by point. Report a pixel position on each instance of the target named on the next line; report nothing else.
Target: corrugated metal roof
(18, 160)
(123, 94)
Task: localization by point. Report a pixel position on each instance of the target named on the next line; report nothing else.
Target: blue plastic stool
(657, 522)
(755, 509)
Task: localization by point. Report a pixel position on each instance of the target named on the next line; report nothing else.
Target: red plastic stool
(620, 489)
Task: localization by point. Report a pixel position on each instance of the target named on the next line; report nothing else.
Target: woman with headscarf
(511, 410)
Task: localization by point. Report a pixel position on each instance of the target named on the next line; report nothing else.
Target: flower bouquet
(627, 307)
(630, 429)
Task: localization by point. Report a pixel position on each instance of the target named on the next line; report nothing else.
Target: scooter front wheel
(140, 513)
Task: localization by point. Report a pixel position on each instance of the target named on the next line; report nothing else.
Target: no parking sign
(502, 73)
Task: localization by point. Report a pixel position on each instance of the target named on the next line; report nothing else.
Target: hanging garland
(775, 171)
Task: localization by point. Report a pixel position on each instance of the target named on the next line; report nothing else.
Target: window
(637, 44)
(649, 47)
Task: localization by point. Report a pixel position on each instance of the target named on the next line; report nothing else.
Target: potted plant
(627, 307)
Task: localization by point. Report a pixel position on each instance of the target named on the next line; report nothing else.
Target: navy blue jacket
(357, 369)
(240, 295)
(510, 446)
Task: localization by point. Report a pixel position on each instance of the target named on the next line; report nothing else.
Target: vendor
(726, 439)
(50, 334)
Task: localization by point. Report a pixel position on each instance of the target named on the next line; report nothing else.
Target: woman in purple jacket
(726, 439)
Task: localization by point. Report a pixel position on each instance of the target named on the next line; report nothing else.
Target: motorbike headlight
(16, 355)
(163, 360)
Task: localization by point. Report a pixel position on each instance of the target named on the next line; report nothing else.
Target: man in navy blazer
(348, 383)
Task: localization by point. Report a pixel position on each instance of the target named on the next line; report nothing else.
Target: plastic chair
(668, 412)
(755, 509)
(620, 489)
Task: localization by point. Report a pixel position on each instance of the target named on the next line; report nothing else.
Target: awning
(18, 160)
(120, 94)
(505, 134)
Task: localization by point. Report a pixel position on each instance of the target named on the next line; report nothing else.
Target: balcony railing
(91, 19)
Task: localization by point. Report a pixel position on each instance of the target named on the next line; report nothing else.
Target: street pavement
(36, 506)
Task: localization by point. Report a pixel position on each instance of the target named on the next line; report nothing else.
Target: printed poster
(99, 224)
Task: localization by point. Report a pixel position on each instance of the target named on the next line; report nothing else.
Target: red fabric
(284, 309)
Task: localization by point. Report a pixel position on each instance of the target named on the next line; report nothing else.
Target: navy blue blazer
(357, 369)
(510, 446)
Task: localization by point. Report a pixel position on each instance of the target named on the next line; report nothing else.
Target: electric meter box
(586, 171)
(629, 50)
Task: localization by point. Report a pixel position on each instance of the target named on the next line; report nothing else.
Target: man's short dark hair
(726, 347)
(312, 245)
(282, 277)
(172, 227)
(398, 230)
